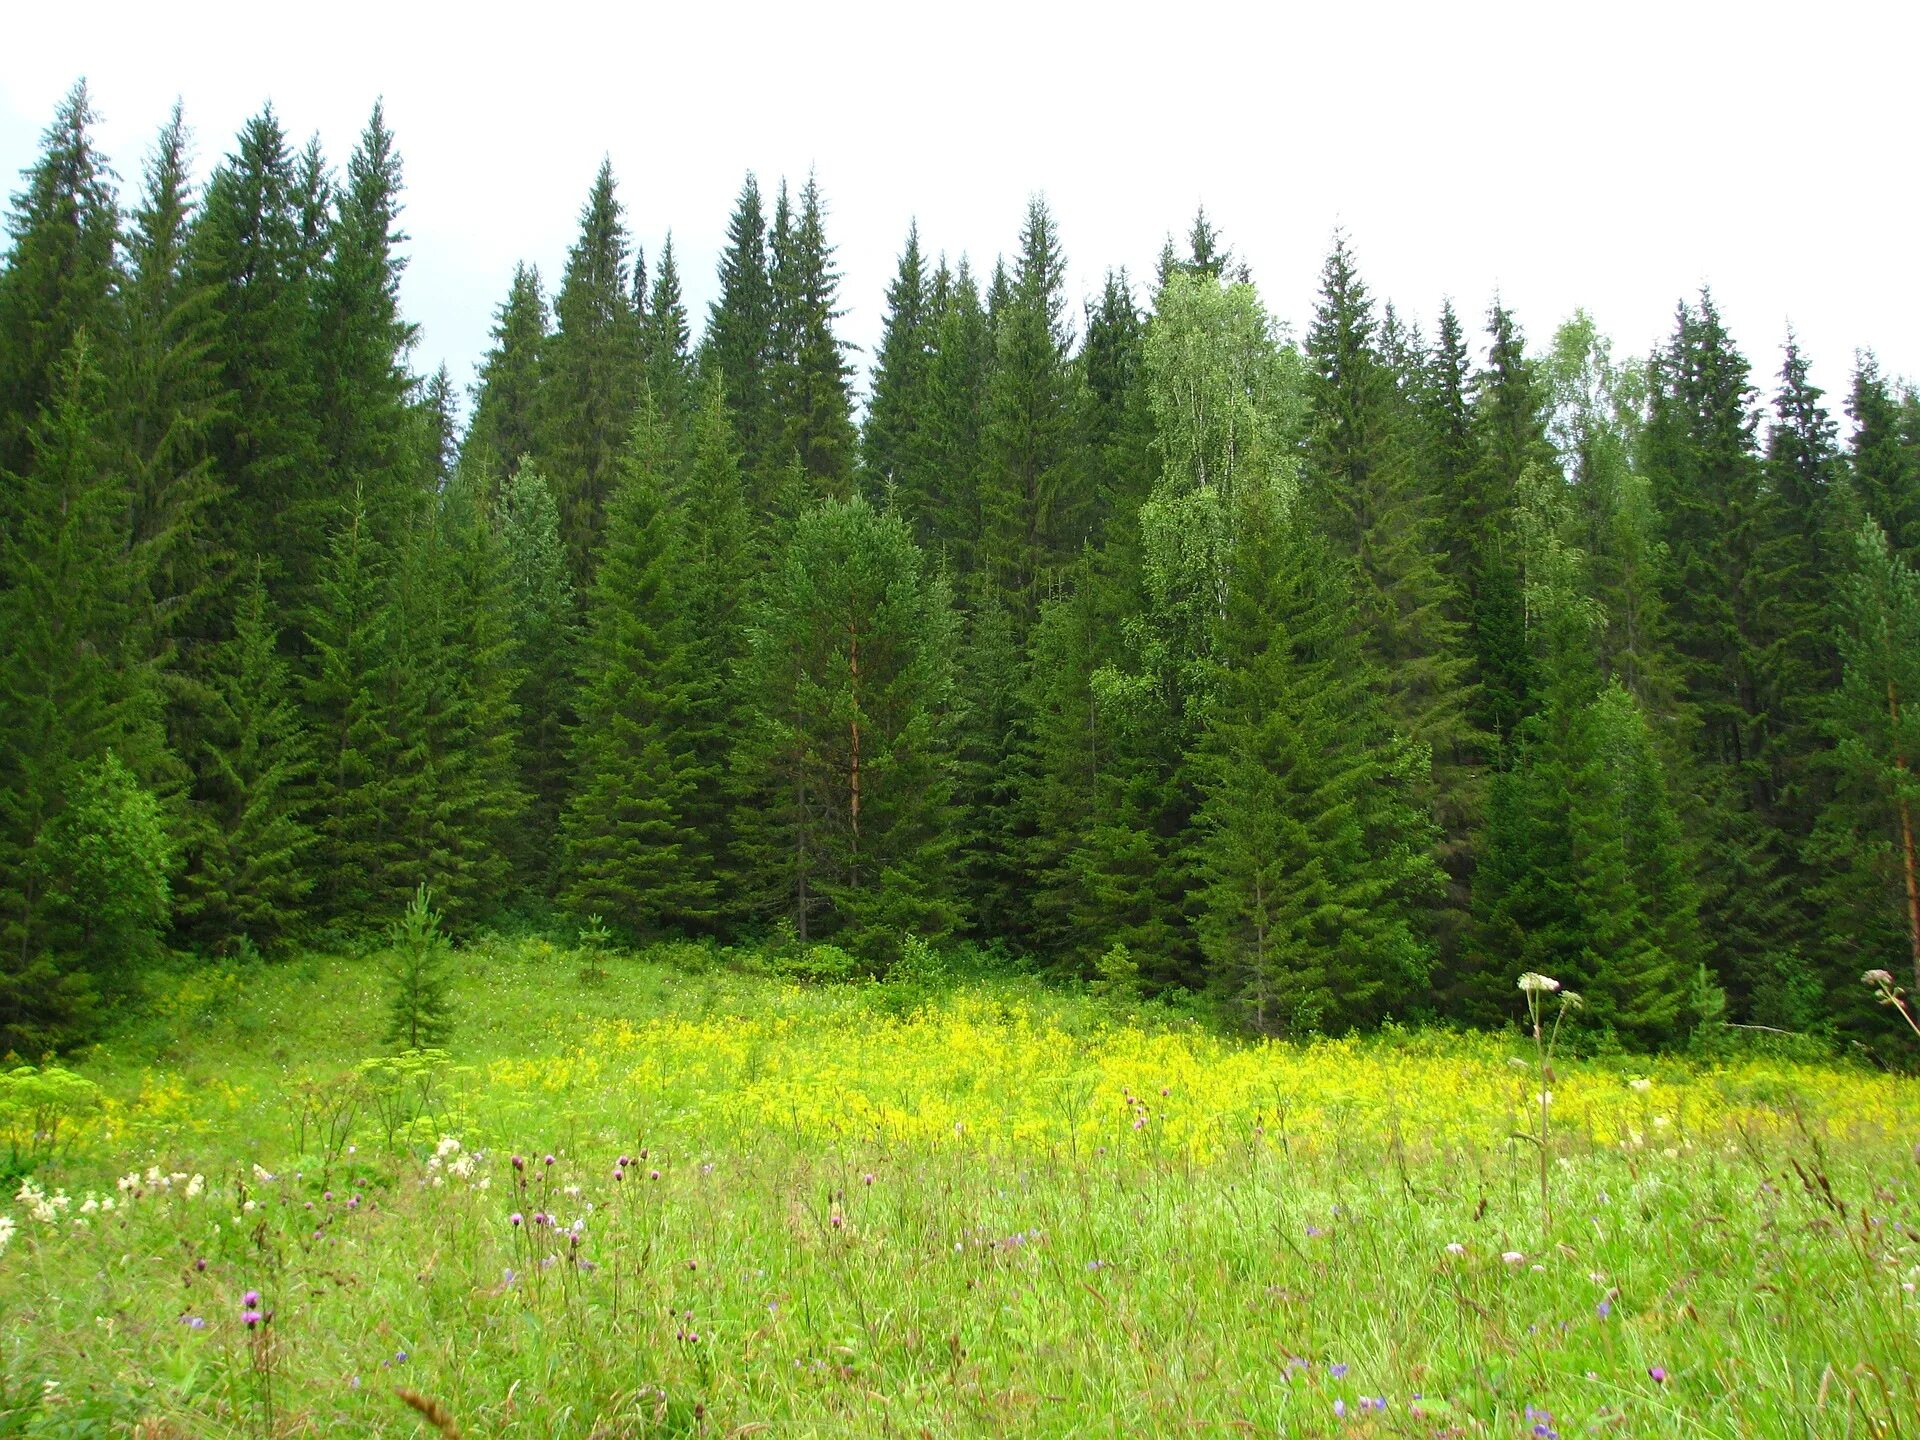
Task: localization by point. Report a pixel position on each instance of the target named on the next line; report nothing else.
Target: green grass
(825, 1252)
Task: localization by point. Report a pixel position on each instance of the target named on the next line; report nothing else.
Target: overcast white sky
(1608, 156)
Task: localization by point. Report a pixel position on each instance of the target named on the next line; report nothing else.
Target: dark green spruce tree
(62, 274)
(739, 345)
(506, 407)
(850, 687)
(545, 628)
(250, 856)
(590, 376)
(633, 850)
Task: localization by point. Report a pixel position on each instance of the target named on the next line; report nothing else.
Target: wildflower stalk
(1536, 987)
(1891, 994)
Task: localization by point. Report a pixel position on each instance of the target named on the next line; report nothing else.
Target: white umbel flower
(1534, 983)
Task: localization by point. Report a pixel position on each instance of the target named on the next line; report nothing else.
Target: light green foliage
(36, 1104)
(418, 967)
(1228, 412)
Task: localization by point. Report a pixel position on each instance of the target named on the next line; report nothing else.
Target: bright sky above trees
(1614, 158)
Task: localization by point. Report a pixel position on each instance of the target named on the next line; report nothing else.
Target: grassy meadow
(690, 1200)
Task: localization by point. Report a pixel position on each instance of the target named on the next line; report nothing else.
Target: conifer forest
(1316, 670)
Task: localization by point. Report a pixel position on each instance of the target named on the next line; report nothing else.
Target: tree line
(1341, 676)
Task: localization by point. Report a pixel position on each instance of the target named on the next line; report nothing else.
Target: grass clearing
(984, 1210)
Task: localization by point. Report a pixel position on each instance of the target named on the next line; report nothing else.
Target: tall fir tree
(165, 394)
(545, 628)
(75, 684)
(250, 855)
(1870, 846)
(1035, 509)
(666, 360)
(893, 447)
(62, 274)
(1885, 456)
(1315, 844)
(944, 509)
(739, 343)
(850, 680)
(811, 381)
(351, 642)
(252, 253)
(366, 427)
(1705, 472)
(718, 577)
(506, 406)
(633, 852)
(590, 381)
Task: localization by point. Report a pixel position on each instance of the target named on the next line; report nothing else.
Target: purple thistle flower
(515, 1218)
(251, 1318)
(250, 1300)
(201, 1263)
(548, 1160)
(653, 1174)
(1659, 1375)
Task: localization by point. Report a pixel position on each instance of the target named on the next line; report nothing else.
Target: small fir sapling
(419, 978)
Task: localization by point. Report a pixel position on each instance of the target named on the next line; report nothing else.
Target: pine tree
(1117, 424)
(851, 690)
(350, 635)
(666, 361)
(1800, 551)
(1632, 877)
(249, 869)
(633, 851)
(944, 508)
(1701, 460)
(718, 578)
(61, 277)
(506, 406)
(1868, 845)
(72, 687)
(1035, 509)
(545, 632)
(1508, 420)
(590, 380)
(252, 253)
(1885, 457)
(165, 396)
(419, 977)
(366, 429)
(1316, 848)
(811, 382)
(739, 343)
(893, 446)
(454, 786)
